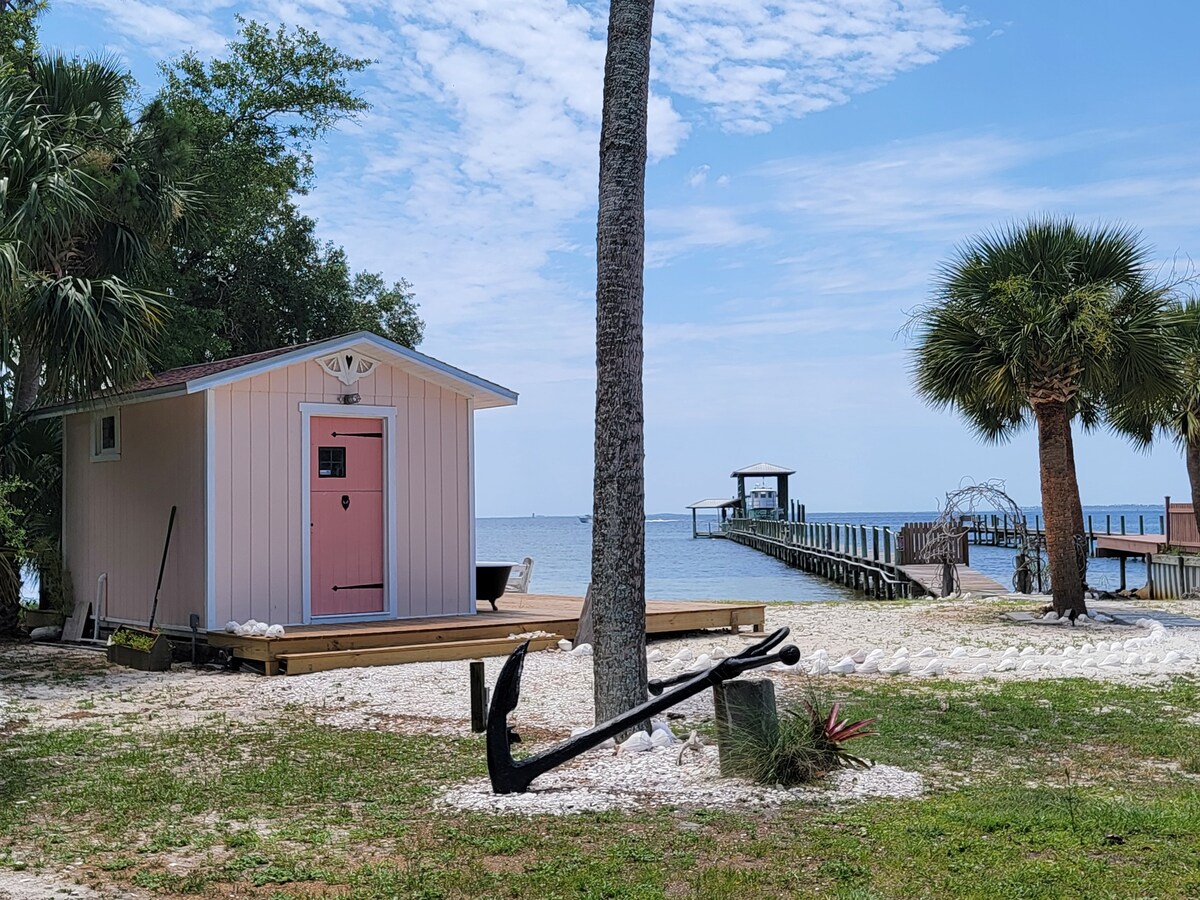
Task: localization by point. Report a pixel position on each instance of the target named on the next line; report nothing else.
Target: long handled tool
(162, 567)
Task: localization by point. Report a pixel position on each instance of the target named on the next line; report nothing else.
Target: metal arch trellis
(963, 506)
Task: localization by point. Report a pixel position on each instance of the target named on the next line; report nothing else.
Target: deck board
(929, 577)
(518, 613)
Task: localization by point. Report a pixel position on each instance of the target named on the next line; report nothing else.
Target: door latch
(345, 501)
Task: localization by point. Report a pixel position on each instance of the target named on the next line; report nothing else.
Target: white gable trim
(484, 393)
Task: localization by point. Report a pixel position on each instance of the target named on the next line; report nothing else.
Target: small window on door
(106, 435)
(331, 462)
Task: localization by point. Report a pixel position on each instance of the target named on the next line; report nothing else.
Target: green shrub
(804, 746)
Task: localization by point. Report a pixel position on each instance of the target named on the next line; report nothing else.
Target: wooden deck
(929, 577)
(316, 648)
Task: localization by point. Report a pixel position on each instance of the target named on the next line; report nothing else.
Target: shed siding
(258, 502)
(117, 511)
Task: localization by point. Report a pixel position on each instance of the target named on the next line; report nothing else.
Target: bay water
(679, 567)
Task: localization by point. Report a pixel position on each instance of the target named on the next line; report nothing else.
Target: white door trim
(388, 414)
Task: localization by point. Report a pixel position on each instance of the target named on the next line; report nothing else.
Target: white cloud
(753, 65)
(160, 28)
(698, 176)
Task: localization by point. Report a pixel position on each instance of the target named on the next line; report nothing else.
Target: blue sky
(812, 162)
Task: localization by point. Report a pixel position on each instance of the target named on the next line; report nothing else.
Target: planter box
(156, 659)
(43, 618)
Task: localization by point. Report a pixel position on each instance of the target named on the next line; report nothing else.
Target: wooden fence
(915, 536)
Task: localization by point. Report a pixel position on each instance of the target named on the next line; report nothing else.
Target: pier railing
(876, 543)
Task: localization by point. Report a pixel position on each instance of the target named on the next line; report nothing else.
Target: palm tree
(1176, 414)
(89, 197)
(1048, 322)
(618, 589)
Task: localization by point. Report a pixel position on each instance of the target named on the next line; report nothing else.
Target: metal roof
(189, 379)
(762, 469)
(713, 503)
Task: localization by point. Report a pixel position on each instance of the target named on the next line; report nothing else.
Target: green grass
(294, 809)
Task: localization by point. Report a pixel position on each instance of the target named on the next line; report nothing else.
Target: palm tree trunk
(29, 381)
(10, 596)
(1060, 496)
(618, 505)
(1191, 454)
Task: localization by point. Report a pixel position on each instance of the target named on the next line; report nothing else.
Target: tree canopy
(256, 275)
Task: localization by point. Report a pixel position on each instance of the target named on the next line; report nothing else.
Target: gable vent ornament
(347, 366)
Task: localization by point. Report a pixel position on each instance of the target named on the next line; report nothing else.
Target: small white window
(106, 435)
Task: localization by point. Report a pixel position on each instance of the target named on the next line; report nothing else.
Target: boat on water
(585, 519)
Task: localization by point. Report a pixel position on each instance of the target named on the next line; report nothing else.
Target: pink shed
(346, 463)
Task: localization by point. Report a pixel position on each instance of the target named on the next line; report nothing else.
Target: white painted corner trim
(210, 511)
(356, 411)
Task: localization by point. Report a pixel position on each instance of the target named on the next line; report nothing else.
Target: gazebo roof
(713, 503)
(763, 469)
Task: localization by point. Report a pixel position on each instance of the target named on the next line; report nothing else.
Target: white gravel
(600, 780)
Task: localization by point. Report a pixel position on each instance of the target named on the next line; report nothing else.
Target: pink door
(346, 508)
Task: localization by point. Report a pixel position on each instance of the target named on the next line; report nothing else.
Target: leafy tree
(1048, 322)
(18, 32)
(255, 276)
(618, 588)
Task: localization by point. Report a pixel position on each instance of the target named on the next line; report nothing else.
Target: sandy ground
(59, 687)
(556, 690)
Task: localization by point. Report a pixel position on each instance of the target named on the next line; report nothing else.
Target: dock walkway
(929, 577)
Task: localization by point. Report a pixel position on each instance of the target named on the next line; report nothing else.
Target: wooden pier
(998, 531)
(872, 559)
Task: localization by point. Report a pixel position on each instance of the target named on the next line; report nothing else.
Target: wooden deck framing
(316, 648)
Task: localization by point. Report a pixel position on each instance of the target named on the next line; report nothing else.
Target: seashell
(1082, 620)
(1089, 663)
(819, 667)
(1010, 653)
(1101, 617)
(1051, 616)
(654, 655)
(275, 631)
(927, 653)
(856, 653)
(819, 654)
(1069, 665)
(260, 629)
(685, 655)
(869, 667)
(844, 666)
(1029, 651)
(1150, 657)
(582, 650)
(897, 667)
(719, 653)
(1133, 659)
(958, 652)
(565, 646)
(1088, 648)
(877, 653)
(638, 742)
(1006, 665)
(981, 669)
(980, 651)
(1113, 659)
(703, 661)
(901, 653)
(231, 627)
(934, 667)
(662, 737)
(1171, 657)
(244, 630)
(1030, 665)
(250, 623)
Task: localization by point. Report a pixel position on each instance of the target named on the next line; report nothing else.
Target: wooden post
(1167, 518)
(479, 697)
(694, 533)
(1108, 523)
(1122, 559)
(1141, 523)
(745, 710)
(1091, 533)
(887, 545)
(1122, 524)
